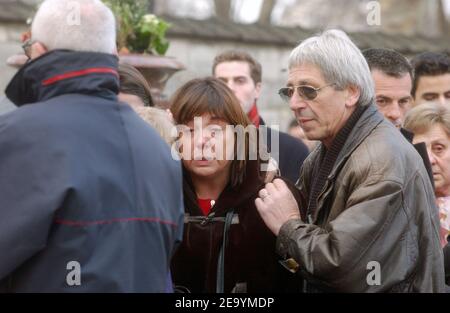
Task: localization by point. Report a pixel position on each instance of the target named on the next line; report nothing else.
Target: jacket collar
(230, 198)
(62, 72)
(261, 121)
(407, 134)
(368, 121)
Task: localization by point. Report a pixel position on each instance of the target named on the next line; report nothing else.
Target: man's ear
(38, 49)
(257, 90)
(353, 95)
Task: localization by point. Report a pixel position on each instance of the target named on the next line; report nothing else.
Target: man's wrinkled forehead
(304, 74)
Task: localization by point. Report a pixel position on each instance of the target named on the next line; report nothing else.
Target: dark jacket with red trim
(251, 263)
(90, 197)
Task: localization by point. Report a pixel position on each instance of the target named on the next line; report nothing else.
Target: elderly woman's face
(438, 147)
(207, 146)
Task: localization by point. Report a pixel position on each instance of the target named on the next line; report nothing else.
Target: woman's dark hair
(133, 82)
(210, 95)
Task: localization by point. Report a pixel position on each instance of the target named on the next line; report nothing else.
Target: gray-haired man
(367, 221)
(90, 196)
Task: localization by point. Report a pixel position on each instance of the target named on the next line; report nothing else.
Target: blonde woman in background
(430, 123)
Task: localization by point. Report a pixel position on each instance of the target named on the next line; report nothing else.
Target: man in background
(393, 78)
(243, 75)
(432, 78)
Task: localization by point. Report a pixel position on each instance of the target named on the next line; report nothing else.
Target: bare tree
(223, 9)
(266, 11)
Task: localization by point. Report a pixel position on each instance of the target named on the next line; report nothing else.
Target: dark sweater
(328, 158)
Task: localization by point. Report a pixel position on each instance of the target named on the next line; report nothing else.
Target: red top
(254, 115)
(205, 205)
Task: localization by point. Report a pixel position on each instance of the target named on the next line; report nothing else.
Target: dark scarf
(328, 158)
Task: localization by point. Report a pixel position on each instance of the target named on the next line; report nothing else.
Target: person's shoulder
(386, 154)
(386, 141)
(24, 117)
(26, 131)
(6, 105)
(36, 117)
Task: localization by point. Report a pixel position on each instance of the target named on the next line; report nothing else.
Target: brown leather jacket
(377, 205)
(251, 262)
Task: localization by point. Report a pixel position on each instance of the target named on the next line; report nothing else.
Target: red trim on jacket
(94, 70)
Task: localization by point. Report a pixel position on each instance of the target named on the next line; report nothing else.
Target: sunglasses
(304, 91)
(27, 47)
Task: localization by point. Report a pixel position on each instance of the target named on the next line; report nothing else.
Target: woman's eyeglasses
(304, 91)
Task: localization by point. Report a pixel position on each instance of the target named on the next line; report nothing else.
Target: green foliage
(138, 31)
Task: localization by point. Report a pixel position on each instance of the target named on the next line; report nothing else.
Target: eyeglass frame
(26, 47)
(295, 88)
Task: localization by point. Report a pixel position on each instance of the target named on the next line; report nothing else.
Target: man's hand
(276, 205)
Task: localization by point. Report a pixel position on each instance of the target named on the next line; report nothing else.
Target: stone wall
(197, 56)
(408, 17)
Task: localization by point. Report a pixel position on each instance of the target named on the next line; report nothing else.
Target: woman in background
(430, 123)
(135, 91)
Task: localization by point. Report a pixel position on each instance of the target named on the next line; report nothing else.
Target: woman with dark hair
(134, 89)
(226, 245)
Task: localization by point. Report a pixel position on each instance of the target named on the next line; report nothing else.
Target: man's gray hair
(78, 25)
(339, 60)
